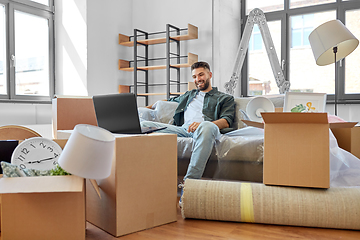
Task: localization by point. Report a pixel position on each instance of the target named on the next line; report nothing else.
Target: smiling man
(201, 114)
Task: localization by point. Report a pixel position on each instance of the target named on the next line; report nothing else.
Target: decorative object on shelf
(331, 42)
(141, 63)
(88, 153)
(304, 102)
(36, 153)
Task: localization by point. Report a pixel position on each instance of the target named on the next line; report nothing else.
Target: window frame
(33, 8)
(284, 16)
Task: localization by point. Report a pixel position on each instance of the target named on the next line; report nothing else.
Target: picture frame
(304, 102)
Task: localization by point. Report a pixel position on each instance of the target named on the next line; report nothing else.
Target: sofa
(237, 155)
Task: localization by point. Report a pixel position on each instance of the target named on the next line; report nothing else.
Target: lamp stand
(336, 81)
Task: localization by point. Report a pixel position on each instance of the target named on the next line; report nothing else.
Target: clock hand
(39, 161)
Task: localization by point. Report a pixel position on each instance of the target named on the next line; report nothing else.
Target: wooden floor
(209, 230)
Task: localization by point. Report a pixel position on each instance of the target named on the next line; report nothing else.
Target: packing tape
(246, 203)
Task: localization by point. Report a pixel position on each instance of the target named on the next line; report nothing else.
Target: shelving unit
(134, 65)
(125, 65)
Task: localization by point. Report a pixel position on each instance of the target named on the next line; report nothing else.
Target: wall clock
(36, 153)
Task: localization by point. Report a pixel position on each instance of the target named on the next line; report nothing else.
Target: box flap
(41, 184)
(253, 124)
(290, 117)
(298, 118)
(342, 125)
(72, 96)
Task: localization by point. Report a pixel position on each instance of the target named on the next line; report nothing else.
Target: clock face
(36, 153)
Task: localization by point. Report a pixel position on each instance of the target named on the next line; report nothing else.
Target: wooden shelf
(192, 34)
(126, 89)
(124, 65)
(154, 94)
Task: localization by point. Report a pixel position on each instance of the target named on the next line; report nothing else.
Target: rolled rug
(258, 203)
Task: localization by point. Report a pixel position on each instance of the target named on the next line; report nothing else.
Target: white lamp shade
(328, 35)
(89, 152)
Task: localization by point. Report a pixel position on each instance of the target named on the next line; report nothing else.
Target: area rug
(258, 203)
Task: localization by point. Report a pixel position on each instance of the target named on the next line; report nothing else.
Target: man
(200, 115)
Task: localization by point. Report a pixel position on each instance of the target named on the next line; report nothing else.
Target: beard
(205, 86)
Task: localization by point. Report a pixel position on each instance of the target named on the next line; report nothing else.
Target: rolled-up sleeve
(228, 110)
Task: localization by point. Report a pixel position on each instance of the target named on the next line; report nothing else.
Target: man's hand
(221, 123)
(193, 126)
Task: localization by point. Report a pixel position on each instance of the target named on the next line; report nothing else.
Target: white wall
(71, 47)
(24, 113)
(226, 39)
(106, 19)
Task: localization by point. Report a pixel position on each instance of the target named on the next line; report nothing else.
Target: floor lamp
(331, 42)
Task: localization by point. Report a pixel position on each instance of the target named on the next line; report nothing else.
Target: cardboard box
(296, 149)
(348, 138)
(13, 144)
(141, 191)
(70, 111)
(51, 207)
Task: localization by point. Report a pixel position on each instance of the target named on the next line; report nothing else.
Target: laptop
(118, 113)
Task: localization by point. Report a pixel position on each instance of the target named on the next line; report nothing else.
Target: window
(305, 3)
(261, 79)
(315, 78)
(255, 42)
(301, 27)
(26, 50)
(296, 19)
(265, 6)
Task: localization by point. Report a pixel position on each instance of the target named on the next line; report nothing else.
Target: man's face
(202, 78)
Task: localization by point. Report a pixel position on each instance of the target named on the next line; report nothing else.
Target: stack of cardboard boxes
(140, 193)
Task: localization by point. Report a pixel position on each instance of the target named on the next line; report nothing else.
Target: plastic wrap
(162, 111)
(344, 167)
(146, 114)
(245, 144)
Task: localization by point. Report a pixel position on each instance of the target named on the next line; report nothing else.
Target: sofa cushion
(165, 111)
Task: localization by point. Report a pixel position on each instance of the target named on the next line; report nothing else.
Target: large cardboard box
(141, 191)
(296, 149)
(51, 207)
(7, 155)
(70, 111)
(348, 139)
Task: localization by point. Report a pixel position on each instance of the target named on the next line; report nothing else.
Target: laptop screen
(117, 113)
